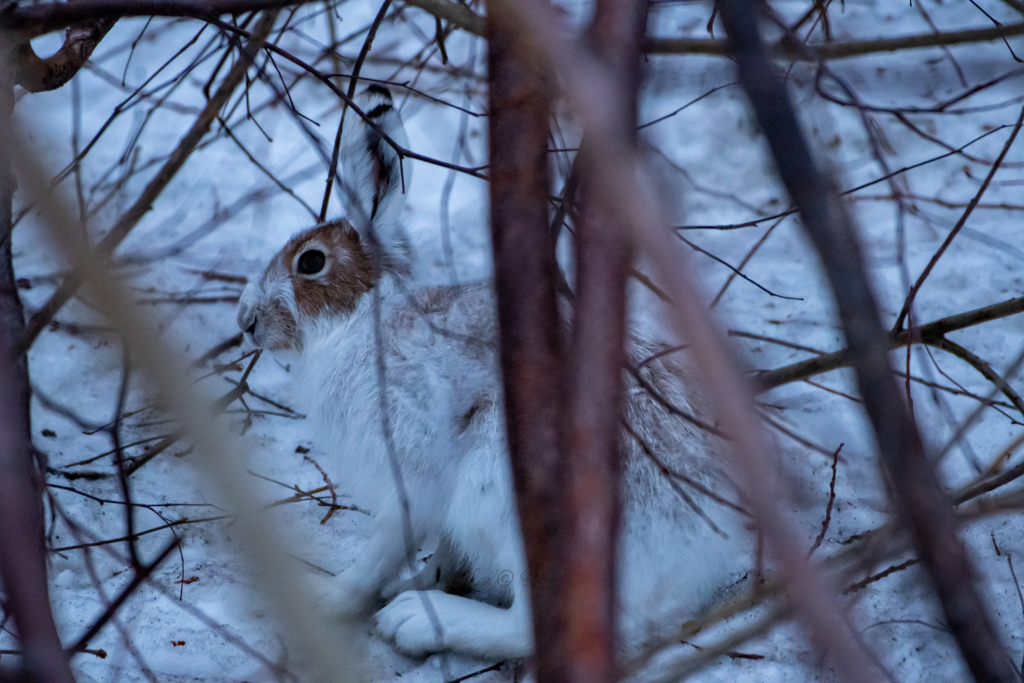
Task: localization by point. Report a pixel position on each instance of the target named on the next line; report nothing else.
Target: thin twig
(352, 84)
(982, 367)
(909, 303)
(831, 501)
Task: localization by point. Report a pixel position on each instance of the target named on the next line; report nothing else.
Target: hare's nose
(252, 328)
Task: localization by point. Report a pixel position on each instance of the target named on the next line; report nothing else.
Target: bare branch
(982, 367)
(458, 14)
(32, 20)
(463, 17)
(37, 75)
(933, 330)
(130, 218)
(909, 303)
(837, 50)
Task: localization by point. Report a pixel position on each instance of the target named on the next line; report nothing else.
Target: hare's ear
(375, 179)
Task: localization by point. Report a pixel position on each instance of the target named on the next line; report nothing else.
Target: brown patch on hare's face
(320, 272)
(328, 268)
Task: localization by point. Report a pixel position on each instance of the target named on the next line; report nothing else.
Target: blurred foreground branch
(330, 652)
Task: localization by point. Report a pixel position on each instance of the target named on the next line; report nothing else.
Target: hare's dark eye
(312, 262)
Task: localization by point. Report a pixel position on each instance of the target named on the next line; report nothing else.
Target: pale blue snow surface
(201, 619)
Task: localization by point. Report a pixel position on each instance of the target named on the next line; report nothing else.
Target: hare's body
(426, 375)
(403, 388)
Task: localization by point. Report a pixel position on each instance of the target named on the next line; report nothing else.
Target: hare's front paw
(407, 623)
(339, 597)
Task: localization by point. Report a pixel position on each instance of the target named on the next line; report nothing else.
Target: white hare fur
(444, 400)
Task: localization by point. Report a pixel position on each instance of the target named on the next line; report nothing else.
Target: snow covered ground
(222, 217)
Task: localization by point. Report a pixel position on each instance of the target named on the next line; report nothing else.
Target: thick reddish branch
(604, 254)
(531, 346)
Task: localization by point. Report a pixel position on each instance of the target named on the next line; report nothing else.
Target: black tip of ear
(380, 90)
(379, 110)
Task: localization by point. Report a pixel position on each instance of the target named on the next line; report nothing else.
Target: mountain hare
(428, 454)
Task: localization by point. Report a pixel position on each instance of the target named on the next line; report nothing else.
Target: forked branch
(37, 74)
(923, 334)
(589, 89)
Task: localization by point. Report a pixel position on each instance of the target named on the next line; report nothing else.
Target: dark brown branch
(36, 19)
(838, 50)
(955, 391)
(867, 581)
(831, 501)
(589, 90)
(531, 346)
(156, 186)
(38, 75)
(463, 17)
(979, 488)
(918, 497)
(604, 253)
(139, 534)
(22, 548)
(453, 12)
(933, 330)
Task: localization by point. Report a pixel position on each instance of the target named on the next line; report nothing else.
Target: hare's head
(323, 272)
